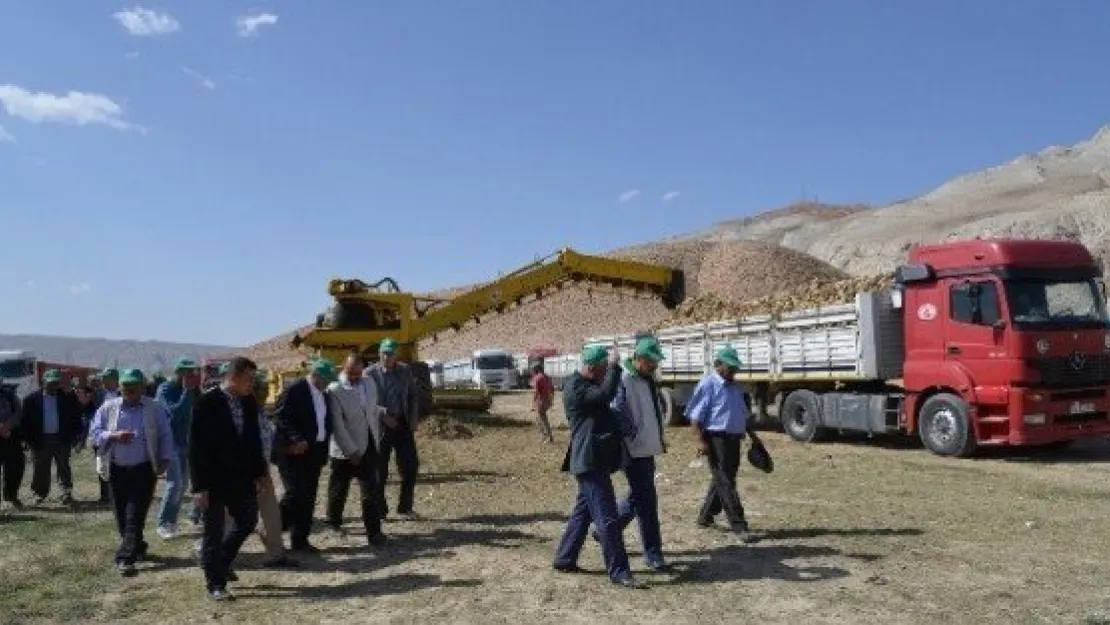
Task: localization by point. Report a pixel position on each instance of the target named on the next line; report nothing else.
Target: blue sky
(217, 172)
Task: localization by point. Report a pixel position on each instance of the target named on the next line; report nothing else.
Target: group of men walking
(615, 416)
(221, 442)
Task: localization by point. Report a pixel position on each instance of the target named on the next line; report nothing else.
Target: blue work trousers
(596, 502)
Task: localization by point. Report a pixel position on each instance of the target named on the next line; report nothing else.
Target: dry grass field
(848, 532)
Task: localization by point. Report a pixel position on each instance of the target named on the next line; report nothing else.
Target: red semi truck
(980, 343)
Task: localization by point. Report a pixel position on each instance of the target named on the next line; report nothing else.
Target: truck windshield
(11, 369)
(494, 362)
(1056, 304)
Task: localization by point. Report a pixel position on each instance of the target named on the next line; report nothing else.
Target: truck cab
(494, 369)
(1007, 342)
(18, 371)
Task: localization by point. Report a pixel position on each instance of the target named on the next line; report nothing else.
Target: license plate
(1082, 407)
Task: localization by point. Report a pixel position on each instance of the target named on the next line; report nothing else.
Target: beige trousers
(269, 530)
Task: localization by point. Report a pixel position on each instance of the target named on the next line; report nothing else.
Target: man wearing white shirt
(356, 418)
(303, 418)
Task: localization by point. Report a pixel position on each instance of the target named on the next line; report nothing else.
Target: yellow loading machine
(362, 314)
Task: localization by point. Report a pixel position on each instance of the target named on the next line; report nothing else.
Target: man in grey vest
(638, 406)
(134, 446)
(397, 393)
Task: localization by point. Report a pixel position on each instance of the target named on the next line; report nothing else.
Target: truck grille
(1075, 370)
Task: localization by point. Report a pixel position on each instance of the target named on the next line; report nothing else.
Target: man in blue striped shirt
(718, 413)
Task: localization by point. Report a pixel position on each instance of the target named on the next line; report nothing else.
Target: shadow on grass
(374, 587)
(455, 477)
(802, 533)
(738, 563)
(511, 519)
(1078, 452)
(489, 420)
(16, 517)
(77, 507)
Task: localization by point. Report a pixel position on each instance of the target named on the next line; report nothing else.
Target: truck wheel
(672, 414)
(801, 416)
(944, 425)
(422, 375)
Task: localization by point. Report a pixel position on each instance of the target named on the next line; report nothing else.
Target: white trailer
(854, 342)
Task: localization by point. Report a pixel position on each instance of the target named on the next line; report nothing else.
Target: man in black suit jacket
(227, 470)
(302, 419)
(51, 425)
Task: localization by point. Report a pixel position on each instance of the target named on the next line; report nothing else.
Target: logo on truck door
(927, 312)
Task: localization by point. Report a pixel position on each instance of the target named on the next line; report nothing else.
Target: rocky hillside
(149, 356)
(1059, 192)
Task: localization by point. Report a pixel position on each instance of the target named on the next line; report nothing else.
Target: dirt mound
(444, 427)
(746, 270)
(689, 256)
(809, 295)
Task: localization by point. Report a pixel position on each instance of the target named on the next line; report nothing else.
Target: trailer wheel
(801, 416)
(944, 425)
(672, 414)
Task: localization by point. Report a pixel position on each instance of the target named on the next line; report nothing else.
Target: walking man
(595, 452)
(177, 396)
(228, 470)
(355, 429)
(134, 444)
(637, 403)
(51, 424)
(718, 413)
(543, 396)
(268, 511)
(397, 393)
(303, 417)
(12, 461)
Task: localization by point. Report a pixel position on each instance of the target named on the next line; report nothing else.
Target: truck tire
(944, 425)
(672, 413)
(422, 375)
(800, 416)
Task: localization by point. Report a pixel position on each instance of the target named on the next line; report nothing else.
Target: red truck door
(975, 333)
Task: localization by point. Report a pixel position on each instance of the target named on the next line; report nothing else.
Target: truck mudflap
(1043, 416)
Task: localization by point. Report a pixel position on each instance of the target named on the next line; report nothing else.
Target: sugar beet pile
(723, 280)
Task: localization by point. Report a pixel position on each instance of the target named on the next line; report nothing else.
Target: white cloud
(6, 136)
(629, 195)
(670, 195)
(248, 25)
(75, 107)
(146, 23)
(79, 289)
(204, 81)
(132, 55)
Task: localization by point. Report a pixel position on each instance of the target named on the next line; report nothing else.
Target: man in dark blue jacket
(178, 396)
(595, 453)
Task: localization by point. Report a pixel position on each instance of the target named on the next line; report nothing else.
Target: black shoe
(16, 504)
(67, 500)
(568, 568)
(740, 527)
(630, 582)
(705, 522)
(220, 594)
(231, 576)
(305, 548)
(378, 540)
(283, 562)
(141, 552)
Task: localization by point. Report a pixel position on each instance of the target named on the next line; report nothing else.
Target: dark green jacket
(596, 442)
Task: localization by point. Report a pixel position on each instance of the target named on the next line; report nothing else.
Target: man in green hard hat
(178, 396)
(302, 420)
(51, 424)
(397, 393)
(719, 419)
(594, 453)
(639, 405)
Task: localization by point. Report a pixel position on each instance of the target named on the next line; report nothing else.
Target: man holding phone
(134, 446)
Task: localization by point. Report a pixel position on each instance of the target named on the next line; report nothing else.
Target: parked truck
(979, 343)
(23, 371)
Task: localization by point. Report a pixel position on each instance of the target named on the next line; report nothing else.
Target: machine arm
(566, 266)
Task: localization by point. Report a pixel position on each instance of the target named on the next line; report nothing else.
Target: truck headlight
(1035, 419)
